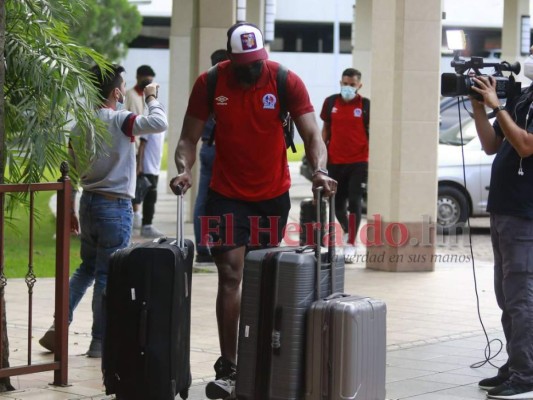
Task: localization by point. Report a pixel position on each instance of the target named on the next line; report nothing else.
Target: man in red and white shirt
(250, 173)
(345, 131)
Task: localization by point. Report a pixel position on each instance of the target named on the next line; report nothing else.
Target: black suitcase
(308, 220)
(148, 315)
(278, 288)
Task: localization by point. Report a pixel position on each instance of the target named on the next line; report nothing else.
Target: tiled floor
(433, 335)
(433, 331)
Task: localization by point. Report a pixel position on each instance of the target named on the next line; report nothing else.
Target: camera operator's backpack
(284, 115)
(330, 102)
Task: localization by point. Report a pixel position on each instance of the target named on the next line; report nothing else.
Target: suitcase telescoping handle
(330, 242)
(180, 234)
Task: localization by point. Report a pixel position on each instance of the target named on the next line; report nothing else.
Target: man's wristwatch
(322, 171)
(496, 110)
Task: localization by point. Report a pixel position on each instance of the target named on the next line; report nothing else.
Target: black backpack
(284, 115)
(366, 110)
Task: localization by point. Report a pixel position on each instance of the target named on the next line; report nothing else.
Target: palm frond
(48, 88)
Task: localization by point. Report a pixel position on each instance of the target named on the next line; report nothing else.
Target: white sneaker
(344, 239)
(350, 252)
(148, 231)
(137, 220)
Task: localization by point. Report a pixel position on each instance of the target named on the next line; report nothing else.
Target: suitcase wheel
(184, 394)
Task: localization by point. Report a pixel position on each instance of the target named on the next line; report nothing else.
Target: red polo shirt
(348, 142)
(251, 157)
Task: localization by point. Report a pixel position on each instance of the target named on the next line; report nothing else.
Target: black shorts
(231, 223)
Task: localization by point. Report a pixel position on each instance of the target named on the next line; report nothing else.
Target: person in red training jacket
(248, 196)
(345, 132)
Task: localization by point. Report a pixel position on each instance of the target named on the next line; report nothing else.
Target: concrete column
(255, 12)
(198, 28)
(406, 40)
(362, 45)
(214, 17)
(513, 10)
(180, 74)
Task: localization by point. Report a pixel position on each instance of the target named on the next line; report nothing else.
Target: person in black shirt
(510, 205)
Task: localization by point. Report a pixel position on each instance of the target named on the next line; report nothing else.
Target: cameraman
(510, 205)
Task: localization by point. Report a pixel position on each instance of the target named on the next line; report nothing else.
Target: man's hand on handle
(328, 184)
(181, 183)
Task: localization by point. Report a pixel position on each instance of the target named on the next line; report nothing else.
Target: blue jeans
(207, 156)
(105, 227)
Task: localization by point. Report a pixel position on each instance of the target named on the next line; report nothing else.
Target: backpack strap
(288, 128)
(281, 83)
(330, 103)
(212, 76)
(366, 115)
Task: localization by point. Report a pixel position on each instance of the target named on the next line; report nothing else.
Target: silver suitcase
(345, 348)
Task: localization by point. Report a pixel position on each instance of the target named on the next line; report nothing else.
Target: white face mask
(528, 67)
(348, 92)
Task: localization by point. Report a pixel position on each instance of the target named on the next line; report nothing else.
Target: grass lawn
(298, 155)
(16, 245)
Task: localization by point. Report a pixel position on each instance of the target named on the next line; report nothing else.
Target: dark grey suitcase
(346, 348)
(148, 315)
(278, 288)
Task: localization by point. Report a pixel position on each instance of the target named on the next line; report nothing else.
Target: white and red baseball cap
(245, 44)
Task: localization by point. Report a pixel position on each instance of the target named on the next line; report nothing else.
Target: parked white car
(457, 201)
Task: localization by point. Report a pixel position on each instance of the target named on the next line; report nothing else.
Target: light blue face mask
(348, 92)
(120, 103)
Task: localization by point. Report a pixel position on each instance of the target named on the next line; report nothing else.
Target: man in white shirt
(149, 153)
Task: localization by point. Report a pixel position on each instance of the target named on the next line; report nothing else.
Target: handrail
(64, 192)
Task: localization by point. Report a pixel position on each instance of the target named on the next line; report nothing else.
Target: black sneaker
(224, 384)
(491, 383)
(511, 390)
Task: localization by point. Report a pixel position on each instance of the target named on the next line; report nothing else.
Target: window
(310, 37)
(155, 34)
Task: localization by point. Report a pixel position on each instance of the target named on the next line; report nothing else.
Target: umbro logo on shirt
(334, 109)
(222, 100)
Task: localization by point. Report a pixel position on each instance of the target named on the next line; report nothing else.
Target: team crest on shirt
(357, 112)
(334, 110)
(269, 101)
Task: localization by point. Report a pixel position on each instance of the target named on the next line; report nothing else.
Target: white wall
(487, 13)
(481, 13)
(314, 10)
(318, 73)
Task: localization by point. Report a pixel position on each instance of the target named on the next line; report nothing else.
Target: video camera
(460, 83)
